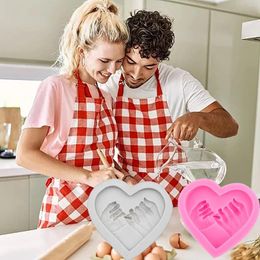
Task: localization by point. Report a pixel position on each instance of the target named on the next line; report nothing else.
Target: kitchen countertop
(9, 168)
(32, 244)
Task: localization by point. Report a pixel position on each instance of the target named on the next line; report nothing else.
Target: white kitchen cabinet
(37, 191)
(20, 199)
(232, 79)
(14, 198)
(31, 31)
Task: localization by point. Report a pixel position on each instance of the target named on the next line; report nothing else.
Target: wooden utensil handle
(103, 158)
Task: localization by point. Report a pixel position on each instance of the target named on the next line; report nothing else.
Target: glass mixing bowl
(199, 162)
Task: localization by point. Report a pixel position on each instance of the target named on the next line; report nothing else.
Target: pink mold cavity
(218, 218)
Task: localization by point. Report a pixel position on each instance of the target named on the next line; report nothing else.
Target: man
(154, 101)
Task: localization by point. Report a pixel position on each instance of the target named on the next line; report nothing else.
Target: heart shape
(218, 218)
(129, 217)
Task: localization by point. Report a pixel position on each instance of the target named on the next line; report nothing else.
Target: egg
(139, 257)
(103, 249)
(147, 251)
(115, 255)
(177, 242)
(158, 250)
(152, 256)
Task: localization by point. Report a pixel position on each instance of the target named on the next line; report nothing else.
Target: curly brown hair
(152, 32)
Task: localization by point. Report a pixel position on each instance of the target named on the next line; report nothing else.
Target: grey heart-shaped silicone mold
(129, 217)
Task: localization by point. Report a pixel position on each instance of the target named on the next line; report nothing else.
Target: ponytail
(94, 19)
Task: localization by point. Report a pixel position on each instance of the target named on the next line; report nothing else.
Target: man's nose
(136, 73)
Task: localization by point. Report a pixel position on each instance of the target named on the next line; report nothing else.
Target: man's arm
(217, 121)
(214, 119)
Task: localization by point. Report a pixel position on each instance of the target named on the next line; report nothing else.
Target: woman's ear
(80, 50)
(81, 55)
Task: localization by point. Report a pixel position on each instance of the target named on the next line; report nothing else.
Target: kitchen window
(18, 87)
(18, 93)
(19, 83)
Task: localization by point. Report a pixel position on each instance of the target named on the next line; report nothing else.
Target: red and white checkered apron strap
(80, 88)
(159, 88)
(120, 91)
(83, 89)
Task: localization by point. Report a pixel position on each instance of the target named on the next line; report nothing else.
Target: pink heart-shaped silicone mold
(218, 218)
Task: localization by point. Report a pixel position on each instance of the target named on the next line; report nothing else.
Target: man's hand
(184, 127)
(213, 119)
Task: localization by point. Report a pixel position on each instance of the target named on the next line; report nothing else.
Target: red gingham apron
(142, 126)
(93, 126)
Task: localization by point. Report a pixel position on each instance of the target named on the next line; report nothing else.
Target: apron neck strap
(120, 91)
(158, 87)
(83, 88)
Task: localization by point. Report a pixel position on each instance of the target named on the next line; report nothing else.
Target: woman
(71, 117)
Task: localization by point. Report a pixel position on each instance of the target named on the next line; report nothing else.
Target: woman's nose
(112, 68)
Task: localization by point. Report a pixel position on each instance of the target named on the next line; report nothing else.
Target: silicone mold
(218, 218)
(129, 217)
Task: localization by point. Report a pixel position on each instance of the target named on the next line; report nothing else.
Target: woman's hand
(126, 177)
(96, 177)
(130, 180)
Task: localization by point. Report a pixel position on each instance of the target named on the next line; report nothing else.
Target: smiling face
(138, 70)
(100, 62)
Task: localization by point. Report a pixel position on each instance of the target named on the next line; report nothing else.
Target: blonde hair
(94, 19)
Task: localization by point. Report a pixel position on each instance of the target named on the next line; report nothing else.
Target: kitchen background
(208, 44)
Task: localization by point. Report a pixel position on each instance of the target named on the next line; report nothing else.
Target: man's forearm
(218, 122)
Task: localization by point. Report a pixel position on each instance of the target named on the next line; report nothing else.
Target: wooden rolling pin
(70, 243)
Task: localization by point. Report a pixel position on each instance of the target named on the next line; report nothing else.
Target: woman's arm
(31, 157)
